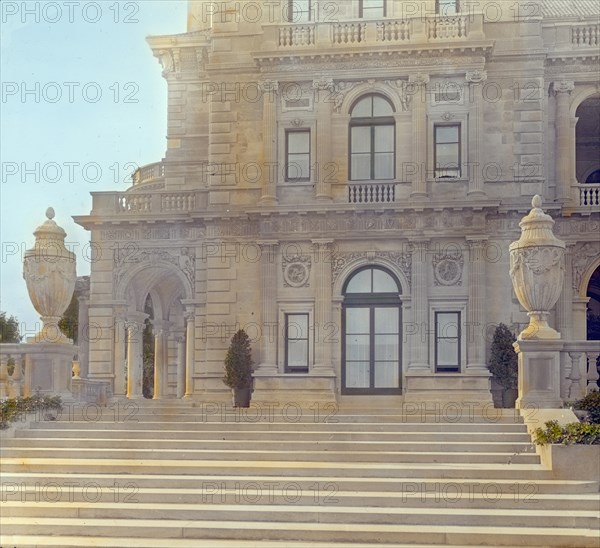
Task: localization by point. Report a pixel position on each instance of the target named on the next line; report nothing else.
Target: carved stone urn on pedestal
(50, 273)
(537, 271)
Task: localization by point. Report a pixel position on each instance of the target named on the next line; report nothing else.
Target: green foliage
(9, 329)
(572, 433)
(503, 358)
(148, 360)
(238, 362)
(591, 404)
(69, 323)
(12, 409)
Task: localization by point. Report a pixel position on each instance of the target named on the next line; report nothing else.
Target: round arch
(355, 265)
(586, 277)
(365, 89)
(580, 96)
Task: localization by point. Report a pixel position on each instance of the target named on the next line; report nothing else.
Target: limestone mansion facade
(342, 180)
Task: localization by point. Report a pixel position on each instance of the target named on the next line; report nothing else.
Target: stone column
(323, 296)
(419, 134)
(268, 266)
(563, 170)
(271, 171)
(564, 318)
(475, 80)
(190, 336)
(180, 339)
(135, 330)
(83, 333)
(476, 311)
(419, 343)
(119, 339)
(323, 92)
(160, 363)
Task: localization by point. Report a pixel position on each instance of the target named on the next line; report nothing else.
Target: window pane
(297, 353)
(386, 320)
(297, 326)
(360, 283)
(300, 11)
(447, 7)
(298, 141)
(357, 347)
(360, 167)
(384, 166)
(298, 167)
(357, 320)
(446, 134)
(357, 375)
(384, 138)
(447, 324)
(387, 375)
(361, 139)
(381, 107)
(447, 352)
(383, 282)
(386, 347)
(364, 108)
(373, 8)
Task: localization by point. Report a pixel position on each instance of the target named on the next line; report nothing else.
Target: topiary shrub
(238, 362)
(573, 433)
(503, 362)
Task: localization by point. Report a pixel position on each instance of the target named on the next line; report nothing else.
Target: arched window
(593, 178)
(371, 342)
(372, 139)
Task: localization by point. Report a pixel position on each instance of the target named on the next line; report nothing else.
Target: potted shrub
(503, 364)
(238, 369)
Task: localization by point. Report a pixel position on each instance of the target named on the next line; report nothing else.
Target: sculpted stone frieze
(154, 233)
(448, 269)
(296, 270)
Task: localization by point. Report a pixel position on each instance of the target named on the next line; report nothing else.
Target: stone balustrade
(149, 174)
(150, 202)
(13, 372)
(589, 195)
(368, 33)
(582, 377)
(585, 35)
(371, 193)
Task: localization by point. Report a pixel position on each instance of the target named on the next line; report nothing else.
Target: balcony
(589, 195)
(148, 203)
(417, 31)
(585, 35)
(371, 193)
(151, 175)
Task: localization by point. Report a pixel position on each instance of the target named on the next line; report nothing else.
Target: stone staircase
(168, 474)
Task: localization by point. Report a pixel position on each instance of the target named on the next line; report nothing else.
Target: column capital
(269, 86)
(136, 317)
(476, 76)
(419, 79)
(563, 86)
(323, 84)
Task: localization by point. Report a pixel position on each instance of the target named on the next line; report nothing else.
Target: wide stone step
(298, 513)
(311, 446)
(471, 535)
(262, 435)
(520, 489)
(314, 455)
(201, 426)
(468, 470)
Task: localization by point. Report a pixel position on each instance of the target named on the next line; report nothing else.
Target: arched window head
(371, 280)
(372, 139)
(593, 178)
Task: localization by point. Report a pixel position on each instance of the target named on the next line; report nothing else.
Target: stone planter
(509, 397)
(241, 397)
(580, 462)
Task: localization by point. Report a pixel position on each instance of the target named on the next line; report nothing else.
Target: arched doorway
(587, 139)
(593, 307)
(371, 327)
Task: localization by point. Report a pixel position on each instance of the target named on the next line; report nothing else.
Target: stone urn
(50, 274)
(537, 263)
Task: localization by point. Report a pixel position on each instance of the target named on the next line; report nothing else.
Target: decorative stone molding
(401, 89)
(401, 260)
(583, 257)
(296, 271)
(448, 269)
(297, 122)
(323, 84)
(341, 89)
(269, 86)
(419, 79)
(563, 86)
(166, 60)
(447, 116)
(154, 233)
(476, 76)
(123, 258)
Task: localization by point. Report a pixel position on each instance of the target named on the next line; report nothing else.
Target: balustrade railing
(447, 28)
(589, 195)
(296, 35)
(150, 173)
(134, 203)
(12, 371)
(393, 31)
(583, 375)
(371, 193)
(585, 35)
(349, 33)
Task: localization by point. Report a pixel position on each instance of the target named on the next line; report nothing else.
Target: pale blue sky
(66, 138)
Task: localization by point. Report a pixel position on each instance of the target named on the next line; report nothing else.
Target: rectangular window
(296, 343)
(372, 9)
(299, 11)
(446, 8)
(447, 342)
(297, 154)
(447, 151)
